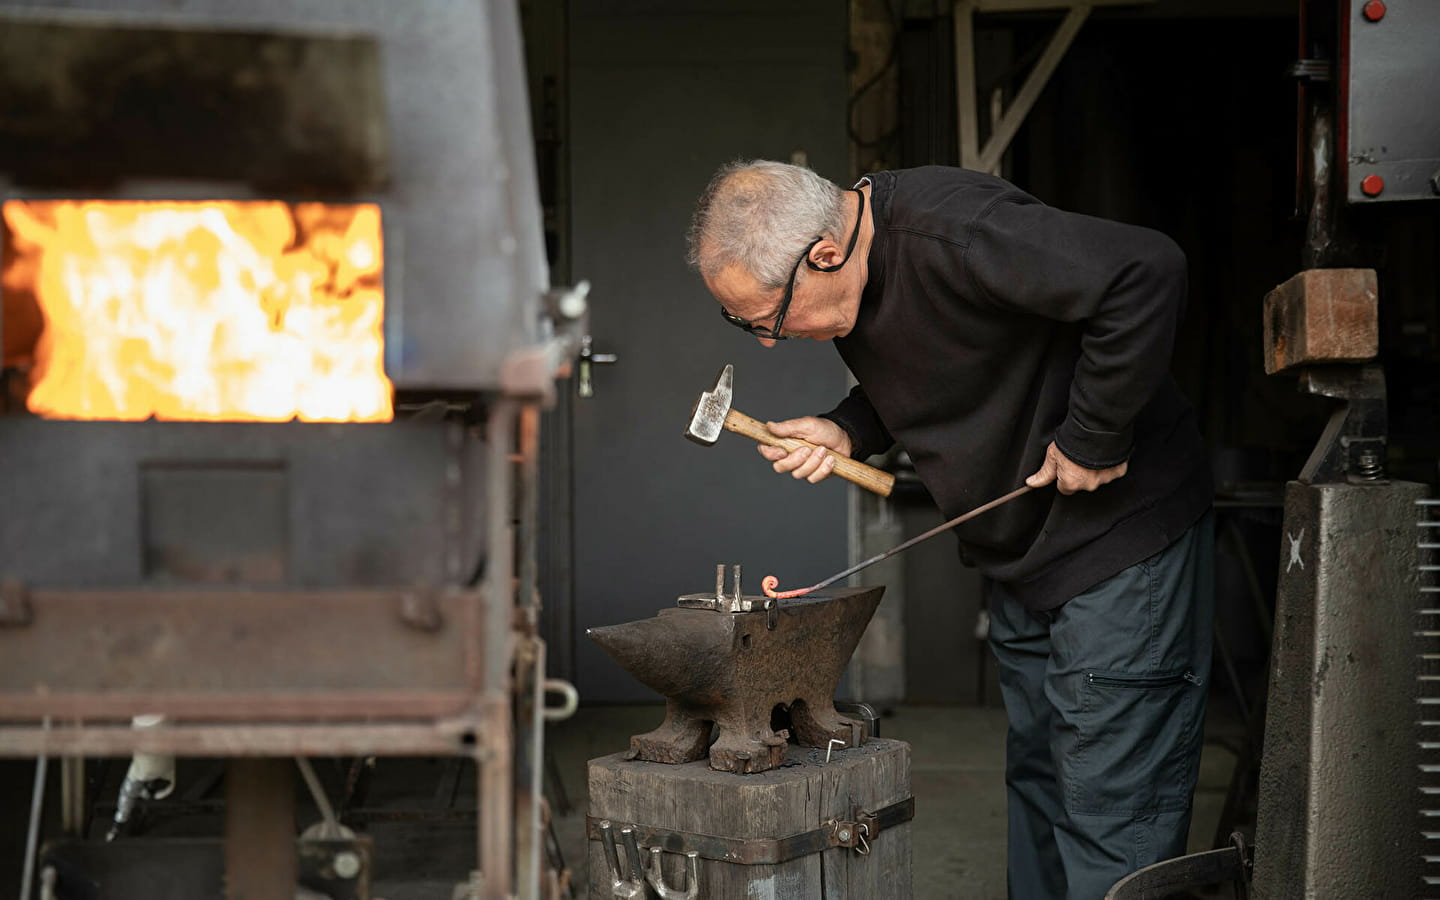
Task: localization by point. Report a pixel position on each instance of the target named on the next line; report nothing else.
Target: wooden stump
(679, 807)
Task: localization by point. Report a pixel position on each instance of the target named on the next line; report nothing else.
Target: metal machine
(266, 582)
(1339, 810)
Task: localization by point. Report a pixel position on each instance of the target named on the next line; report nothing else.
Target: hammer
(712, 413)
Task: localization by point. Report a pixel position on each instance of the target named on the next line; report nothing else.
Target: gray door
(661, 94)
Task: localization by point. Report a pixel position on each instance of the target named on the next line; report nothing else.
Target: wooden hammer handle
(868, 477)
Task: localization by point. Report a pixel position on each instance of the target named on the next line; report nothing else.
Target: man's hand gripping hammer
(713, 413)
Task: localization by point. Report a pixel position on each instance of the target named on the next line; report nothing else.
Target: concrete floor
(957, 763)
(957, 777)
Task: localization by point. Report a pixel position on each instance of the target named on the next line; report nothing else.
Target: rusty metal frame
(483, 701)
(255, 656)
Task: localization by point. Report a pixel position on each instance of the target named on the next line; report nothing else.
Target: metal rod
(770, 582)
(72, 795)
(317, 793)
(612, 853)
(968, 113)
(32, 835)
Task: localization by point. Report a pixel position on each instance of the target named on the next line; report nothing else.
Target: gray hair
(760, 215)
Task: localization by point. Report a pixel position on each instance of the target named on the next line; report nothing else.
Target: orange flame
(208, 311)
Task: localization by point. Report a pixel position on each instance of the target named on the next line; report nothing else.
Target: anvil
(733, 669)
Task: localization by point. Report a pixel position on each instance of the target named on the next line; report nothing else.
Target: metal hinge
(858, 834)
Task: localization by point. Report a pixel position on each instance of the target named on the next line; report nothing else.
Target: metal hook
(656, 877)
(621, 886)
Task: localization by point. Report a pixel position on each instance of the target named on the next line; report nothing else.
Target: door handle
(585, 387)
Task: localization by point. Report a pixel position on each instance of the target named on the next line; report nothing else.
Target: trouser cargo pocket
(1136, 734)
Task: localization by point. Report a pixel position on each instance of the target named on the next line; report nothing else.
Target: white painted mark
(1295, 550)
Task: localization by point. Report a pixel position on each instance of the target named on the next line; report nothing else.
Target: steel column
(1340, 758)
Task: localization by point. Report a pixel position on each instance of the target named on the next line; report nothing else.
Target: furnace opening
(194, 311)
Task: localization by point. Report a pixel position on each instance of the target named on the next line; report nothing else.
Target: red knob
(1374, 10)
(1372, 185)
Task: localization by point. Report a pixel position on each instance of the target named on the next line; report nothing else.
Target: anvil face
(733, 670)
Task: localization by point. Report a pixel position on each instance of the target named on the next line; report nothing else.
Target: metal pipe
(317, 793)
(32, 835)
(72, 795)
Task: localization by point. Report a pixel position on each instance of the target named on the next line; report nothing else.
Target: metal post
(1340, 762)
(969, 111)
(494, 753)
(529, 665)
(260, 857)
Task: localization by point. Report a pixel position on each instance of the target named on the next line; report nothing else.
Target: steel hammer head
(707, 419)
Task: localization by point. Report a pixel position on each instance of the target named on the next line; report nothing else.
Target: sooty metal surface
(447, 131)
(112, 504)
(1340, 763)
(734, 669)
(238, 655)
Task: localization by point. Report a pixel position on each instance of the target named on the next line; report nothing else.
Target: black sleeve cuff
(868, 435)
(1093, 449)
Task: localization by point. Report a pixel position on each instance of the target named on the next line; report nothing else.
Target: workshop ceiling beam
(1006, 126)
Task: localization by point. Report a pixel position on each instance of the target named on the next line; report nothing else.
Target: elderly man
(999, 340)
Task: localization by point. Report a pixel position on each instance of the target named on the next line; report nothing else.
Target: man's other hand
(1069, 476)
(812, 465)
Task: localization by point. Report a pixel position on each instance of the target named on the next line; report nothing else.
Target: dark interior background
(1175, 115)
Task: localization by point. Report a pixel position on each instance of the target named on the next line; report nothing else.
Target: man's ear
(827, 253)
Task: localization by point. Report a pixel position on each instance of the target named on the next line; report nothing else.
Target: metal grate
(1428, 688)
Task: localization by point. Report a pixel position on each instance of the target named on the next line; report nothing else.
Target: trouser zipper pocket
(1143, 681)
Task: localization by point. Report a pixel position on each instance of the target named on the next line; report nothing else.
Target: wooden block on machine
(785, 821)
(1322, 316)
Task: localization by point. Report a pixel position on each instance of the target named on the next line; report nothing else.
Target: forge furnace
(308, 585)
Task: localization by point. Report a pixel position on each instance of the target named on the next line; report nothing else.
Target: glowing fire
(208, 311)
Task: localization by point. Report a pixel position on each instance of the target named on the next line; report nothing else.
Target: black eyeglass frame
(773, 332)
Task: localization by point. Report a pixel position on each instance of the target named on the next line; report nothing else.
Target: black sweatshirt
(992, 324)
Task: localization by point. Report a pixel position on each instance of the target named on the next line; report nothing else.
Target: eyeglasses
(773, 332)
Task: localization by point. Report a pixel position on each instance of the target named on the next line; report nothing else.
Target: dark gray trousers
(1106, 700)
